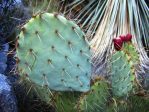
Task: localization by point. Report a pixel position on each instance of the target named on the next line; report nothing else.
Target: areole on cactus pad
(52, 51)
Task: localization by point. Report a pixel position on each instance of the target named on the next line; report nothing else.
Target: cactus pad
(122, 74)
(52, 51)
(66, 101)
(96, 99)
(123, 69)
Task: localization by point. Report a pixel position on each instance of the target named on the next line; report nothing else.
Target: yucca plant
(104, 20)
(87, 13)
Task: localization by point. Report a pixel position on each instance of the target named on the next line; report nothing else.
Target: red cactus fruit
(126, 38)
(118, 43)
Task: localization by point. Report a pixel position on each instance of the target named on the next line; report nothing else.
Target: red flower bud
(123, 37)
(129, 37)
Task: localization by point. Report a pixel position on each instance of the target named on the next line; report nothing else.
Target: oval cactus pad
(52, 51)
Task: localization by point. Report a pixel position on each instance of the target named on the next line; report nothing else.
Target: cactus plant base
(33, 98)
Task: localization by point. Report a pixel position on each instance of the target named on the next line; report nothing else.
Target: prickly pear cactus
(122, 74)
(52, 51)
(96, 99)
(123, 69)
(66, 101)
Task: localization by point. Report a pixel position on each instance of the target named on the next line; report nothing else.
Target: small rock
(12, 14)
(3, 57)
(7, 97)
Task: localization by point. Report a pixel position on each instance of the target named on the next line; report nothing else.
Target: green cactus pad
(52, 51)
(96, 99)
(122, 74)
(66, 101)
